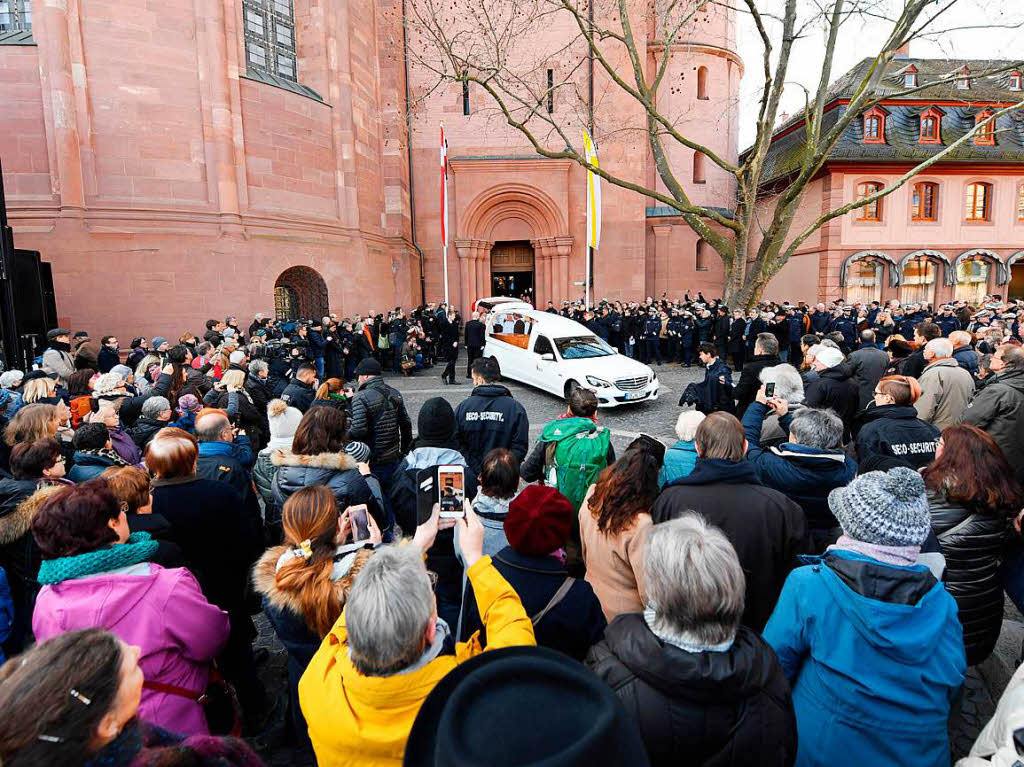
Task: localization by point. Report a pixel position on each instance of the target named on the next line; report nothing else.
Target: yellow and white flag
(593, 193)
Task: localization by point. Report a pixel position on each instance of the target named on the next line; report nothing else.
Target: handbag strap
(170, 689)
(956, 528)
(557, 597)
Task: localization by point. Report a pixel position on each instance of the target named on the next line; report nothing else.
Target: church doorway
(300, 293)
(512, 269)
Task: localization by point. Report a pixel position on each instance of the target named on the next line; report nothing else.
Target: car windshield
(582, 347)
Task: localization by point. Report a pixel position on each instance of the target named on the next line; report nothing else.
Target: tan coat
(946, 388)
(615, 562)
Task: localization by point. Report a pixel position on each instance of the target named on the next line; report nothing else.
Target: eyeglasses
(62, 459)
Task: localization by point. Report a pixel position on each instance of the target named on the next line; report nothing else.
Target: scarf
(140, 547)
(146, 745)
(681, 640)
(901, 556)
(60, 346)
(110, 454)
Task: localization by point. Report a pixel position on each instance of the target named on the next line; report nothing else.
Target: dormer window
(986, 134)
(1015, 81)
(963, 80)
(910, 77)
(874, 126)
(931, 126)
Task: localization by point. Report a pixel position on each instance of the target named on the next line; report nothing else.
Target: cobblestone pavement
(977, 703)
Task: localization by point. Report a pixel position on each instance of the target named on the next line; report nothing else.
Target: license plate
(635, 395)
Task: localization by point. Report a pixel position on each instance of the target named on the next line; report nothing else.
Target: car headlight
(654, 376)
(598, 382)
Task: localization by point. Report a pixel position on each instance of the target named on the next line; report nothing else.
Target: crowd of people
(803, 577)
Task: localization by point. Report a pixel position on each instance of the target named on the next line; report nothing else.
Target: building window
(702, 83)
(963, 82)
(15, 15)
(918, 282)
(1015, 81)
(929, 130)
(971, 281)
(864, 282)
(269, 37)
(551, 91)
(702, 256)
(874, 126)
(924, 200)
(978, 202)
(873, 210)
(1020, 202)
(465, 93)
(698, 168)
(986, 135)
(910, 77)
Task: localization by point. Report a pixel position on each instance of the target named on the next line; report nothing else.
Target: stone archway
(300, 292)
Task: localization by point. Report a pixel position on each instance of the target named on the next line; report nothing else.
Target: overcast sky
(860, 39)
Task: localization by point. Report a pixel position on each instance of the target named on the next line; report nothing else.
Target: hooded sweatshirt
(162, 611)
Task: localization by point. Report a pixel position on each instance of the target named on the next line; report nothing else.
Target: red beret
(539, 520)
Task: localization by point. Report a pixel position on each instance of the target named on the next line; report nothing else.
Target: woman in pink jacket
(95, 574)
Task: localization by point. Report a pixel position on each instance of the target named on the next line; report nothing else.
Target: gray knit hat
(359, 451)
(887, 508)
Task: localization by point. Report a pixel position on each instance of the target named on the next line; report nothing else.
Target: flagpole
(444, 212)
(590, 259)
(593, 213)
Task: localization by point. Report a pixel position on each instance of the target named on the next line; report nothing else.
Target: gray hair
(694, 581)
(767, 343)
(211, 427)
(258, 366)
(388, 611)
(788, 383)
(817, 428)
(867, 336)
(940, 347)
(154, 406)
(826, 341)
(687, 423)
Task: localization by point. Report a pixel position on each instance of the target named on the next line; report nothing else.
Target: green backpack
(576, 452)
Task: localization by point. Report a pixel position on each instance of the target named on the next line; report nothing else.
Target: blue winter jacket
(6, 612)
(875, 655)
(679, 462)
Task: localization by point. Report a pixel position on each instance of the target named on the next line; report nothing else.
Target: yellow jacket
(365, 720)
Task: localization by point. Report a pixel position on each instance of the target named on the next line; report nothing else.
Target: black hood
(709, 471)
(903, 412)
(840, 372)
(492, 390)
(711, 677)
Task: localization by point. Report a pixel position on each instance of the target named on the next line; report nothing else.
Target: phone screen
(769, 389)
(451, 488)
(360, 525)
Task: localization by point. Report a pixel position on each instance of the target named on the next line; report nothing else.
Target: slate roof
(902, 124)
(280, 82)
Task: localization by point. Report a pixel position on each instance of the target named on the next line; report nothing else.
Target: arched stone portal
(300, 292)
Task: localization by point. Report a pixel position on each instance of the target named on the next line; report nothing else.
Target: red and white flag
(444, 209)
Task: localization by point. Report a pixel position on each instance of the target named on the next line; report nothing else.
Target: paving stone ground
(977, 703)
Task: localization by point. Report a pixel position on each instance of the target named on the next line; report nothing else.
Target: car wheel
(570, 387)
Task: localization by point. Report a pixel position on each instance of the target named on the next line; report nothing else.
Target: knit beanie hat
(108, 384)
(539, 520)
(10, 378)
(368, 367)
(886, 508)
(188, 403)
(157, 341)
(436, 421)
(122, 370)
(826, 355)
(284, 421)
(359, 451)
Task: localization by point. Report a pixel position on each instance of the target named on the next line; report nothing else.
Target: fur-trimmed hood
(19, 522)
(333, 461)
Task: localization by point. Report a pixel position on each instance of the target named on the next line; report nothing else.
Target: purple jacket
(163, 612)
(125, 446)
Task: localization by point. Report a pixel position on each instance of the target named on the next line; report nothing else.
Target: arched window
(924, 201)
(702, 256)
(919, 277)
(986, 135)
(910, 77)
(874, 126)
(873, 210)
(1020, 202)
(972, 280)
(929, 128)
(698, 168)
(1015, 81)
(702, 83)
(864, 282)
(978, 202)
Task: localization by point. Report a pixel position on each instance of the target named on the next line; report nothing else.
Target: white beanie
(828, 356)
(284, 421)
(108, 384)
(237, 357)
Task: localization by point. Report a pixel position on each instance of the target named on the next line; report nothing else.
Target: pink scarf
(901, 556)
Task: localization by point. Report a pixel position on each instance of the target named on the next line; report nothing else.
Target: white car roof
(554, 325)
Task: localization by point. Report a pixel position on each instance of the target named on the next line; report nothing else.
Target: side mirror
(549, 357)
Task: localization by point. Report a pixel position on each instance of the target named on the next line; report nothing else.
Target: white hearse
(558, 355)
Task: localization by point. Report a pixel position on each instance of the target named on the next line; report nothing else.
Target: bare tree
(629, 47)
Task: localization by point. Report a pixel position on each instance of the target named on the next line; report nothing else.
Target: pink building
(179, 160)
(953, 232)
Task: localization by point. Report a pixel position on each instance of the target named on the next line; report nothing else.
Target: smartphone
(359, 523)
(451, 491)
(769, 389)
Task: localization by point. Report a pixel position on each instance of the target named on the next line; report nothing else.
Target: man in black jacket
(715, 391)
(766, 355)
(490, 417)
(379, 419)
(475, 339)
(695, 680)
(766, 528)
(299, 392)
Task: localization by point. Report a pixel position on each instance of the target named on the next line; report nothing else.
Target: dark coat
(715, 392)
(144, 430)
(207, 520)
(895, 430)
(765, 527)
(106, 360)
(89, 466)
(336, 471)
(19, 557)
(491, 417)
(835, 389)
(572, 626)
(715, 709)
(967, 358)
(915, 364)
(972, 544)
(379, 419)
(999, 410)
(867, 366)
(476, 334)
(298, 394)
(750, 380)
(131, 407)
